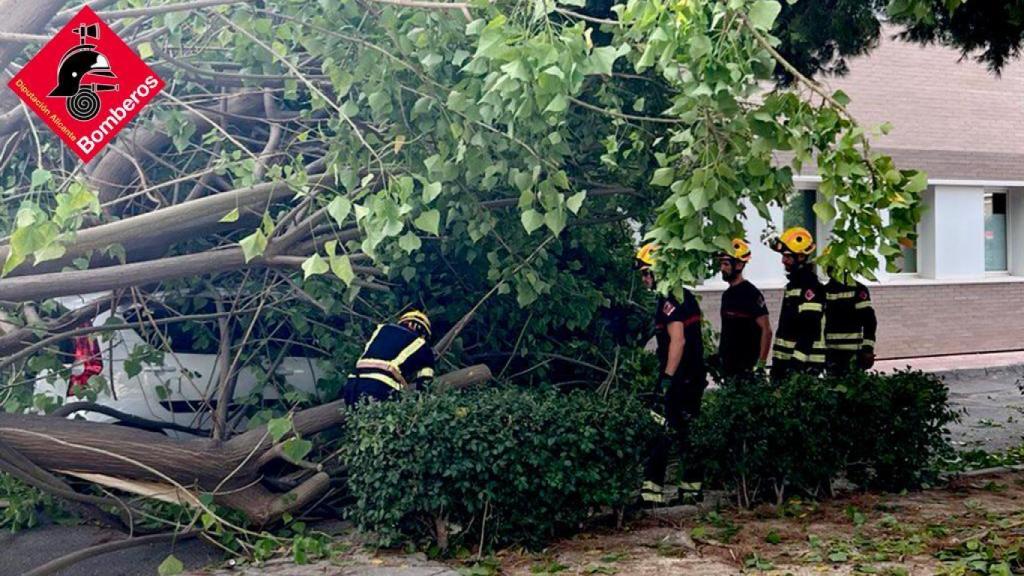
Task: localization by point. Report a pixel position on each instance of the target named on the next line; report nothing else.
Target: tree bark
(161, 228)
(39, 287)
(114, 172)
(229, 470)
(26, 18)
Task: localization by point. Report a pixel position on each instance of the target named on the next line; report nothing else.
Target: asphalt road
(23, 551)
(994, 404)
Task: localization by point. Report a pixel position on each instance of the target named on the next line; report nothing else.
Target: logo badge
(86, 84)
(667, 308)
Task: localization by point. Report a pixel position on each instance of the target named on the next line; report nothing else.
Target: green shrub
(758, 438)
(898, 425)
(504, 465)
(765, 440)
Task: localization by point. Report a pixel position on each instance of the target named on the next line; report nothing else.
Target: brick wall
(934, 98)
(929, 320)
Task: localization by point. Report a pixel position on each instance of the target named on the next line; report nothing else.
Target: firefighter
(799, 341)
(396, 357)
(746, 338)
(850, 325)
(682, 380)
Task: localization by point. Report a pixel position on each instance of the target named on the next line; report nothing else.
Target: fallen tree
(155, 465)
(464, 154)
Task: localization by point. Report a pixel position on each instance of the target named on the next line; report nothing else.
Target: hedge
(508, 465)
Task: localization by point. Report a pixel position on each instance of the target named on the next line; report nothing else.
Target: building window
(995, 232)
(906, 260)
(800, 211)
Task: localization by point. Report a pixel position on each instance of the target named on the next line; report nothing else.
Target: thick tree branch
(128, 419)
(20, 17)
(113, 173)
(161, 228)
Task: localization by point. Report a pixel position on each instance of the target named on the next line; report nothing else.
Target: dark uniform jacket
(799, 339)
(395, 356)
(850, 321)
(688, 312)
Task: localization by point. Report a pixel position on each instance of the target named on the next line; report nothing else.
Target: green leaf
(917, 183)
(409, 242)
(558, 104)
(522, 180)
(342, 268)
(602, 59)
(379, 102)
(171, 566)
(339, 209)
(555, 220)
(763, 14)
(532, 220)
(825, 211)
(726, 207)
(663, 176)
(40, 177)
(279, 428)
(295, 449)
(268, 224)
(700, 45)
(575, 202)
(314, 265)
(428, 221)
(253, 245)
(230, 216)
(49, 252)
(431, 192)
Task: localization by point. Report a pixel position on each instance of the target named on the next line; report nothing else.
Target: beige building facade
(961, 289)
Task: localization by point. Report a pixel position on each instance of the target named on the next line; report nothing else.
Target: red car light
(87, 362)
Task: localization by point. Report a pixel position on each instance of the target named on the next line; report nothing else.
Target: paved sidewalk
(986, 386)
(981, 362)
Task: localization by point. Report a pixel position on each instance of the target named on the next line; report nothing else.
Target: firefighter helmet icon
(82, 73)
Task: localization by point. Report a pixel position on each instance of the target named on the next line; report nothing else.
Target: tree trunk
(229, 470)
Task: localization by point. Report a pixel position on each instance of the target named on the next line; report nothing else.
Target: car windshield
(201, 336)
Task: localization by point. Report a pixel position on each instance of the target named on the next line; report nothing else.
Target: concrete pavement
(986, 386)
(941, 364)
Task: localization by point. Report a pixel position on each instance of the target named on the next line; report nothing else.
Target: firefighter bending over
(396, 357)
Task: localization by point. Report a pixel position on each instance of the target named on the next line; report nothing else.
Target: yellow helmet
(794, 240)
(739, 250)
(418, 319)
(645, 255)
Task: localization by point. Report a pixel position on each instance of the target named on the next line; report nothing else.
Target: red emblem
(809, 295)
(86, 84)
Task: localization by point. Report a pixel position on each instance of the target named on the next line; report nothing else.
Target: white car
(183, 390)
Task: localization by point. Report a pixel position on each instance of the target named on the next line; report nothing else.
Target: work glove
(866, 359)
